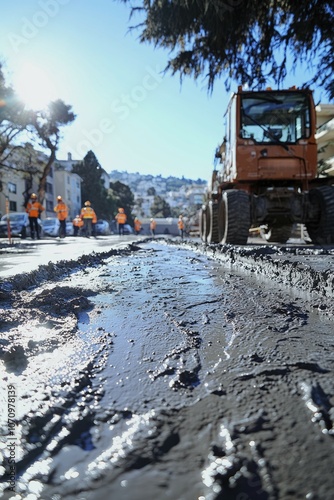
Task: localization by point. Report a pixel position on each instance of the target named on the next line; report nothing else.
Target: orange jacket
(61, 210)
(34, 209)
(153, 224)
(121, 218)
(180, 224)
(87, 213)
(137, 225)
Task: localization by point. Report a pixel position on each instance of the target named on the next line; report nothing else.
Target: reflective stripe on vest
(87, 213)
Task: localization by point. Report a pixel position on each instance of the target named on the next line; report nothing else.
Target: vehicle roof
(4, 217)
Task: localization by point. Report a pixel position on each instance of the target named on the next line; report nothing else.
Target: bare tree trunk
(46, 171)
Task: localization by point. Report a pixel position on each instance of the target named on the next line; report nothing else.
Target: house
(67, 184)
(325, 136)
(17, 179)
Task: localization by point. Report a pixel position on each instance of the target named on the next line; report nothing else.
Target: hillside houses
(178, 193)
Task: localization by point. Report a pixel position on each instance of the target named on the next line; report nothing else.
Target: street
(167, 369)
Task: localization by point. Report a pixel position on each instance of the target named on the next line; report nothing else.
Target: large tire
(321, 230)
(203, 223)
(213, 236)
(234, 217)
(278, 234)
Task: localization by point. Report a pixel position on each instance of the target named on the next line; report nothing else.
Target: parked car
(19, 225)
(128, 229)
(51, 226)
(102, 227)
(69, 228)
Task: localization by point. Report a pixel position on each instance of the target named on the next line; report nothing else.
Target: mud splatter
(172, 370)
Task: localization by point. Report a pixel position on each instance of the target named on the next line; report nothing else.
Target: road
(169, 370)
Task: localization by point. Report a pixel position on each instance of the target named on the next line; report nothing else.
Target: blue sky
(132, 116)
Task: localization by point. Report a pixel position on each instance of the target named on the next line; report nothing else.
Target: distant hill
(170, 183)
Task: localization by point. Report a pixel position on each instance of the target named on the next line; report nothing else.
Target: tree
(160, 207)
(43, 126)
(242, 40)
(48, 125)
(92, 187)
(123, 197)
(151, 191)
(14, 119)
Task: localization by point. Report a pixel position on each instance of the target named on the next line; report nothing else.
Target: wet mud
(171, 370)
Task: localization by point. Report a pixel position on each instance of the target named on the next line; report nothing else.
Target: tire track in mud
(199, 382)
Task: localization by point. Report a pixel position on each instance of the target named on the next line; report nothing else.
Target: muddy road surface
(169, 370)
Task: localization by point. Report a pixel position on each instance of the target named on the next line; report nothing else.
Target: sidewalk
(27, 255)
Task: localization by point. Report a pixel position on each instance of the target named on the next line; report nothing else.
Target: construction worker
(87, 215)
(153, 226)
(121, 219)
(77, 224)
(137, 225)
(62, 214)
(34, 210)
(180, 225)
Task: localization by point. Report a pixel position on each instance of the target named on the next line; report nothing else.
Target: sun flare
(34, 87)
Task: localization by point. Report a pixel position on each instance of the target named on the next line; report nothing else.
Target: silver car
(51, 226)
(102, 227)
(19, 225)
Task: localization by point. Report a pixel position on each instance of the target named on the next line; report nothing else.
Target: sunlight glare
(34, 87)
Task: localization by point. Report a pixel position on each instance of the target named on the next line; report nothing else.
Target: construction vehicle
(267, 175)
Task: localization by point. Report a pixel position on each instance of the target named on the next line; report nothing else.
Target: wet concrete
(168, 370)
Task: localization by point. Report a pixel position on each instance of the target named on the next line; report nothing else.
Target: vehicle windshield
(13, 217)
(275, 117)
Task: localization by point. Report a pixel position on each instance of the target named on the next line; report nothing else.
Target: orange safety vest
(153, 224)
(137, 225)
(87, 213)
(77, 222)
(180, 224)
(61, 210)
(33, 209)
(121, 218)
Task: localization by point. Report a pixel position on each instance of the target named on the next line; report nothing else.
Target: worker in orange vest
(87, 215)
(137, 225)
(121, 219)
(62, 213)
(153, 226)
(180, 225)
(77, 224)
(34, 209)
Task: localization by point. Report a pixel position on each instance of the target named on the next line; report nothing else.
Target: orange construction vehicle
(267, 175)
